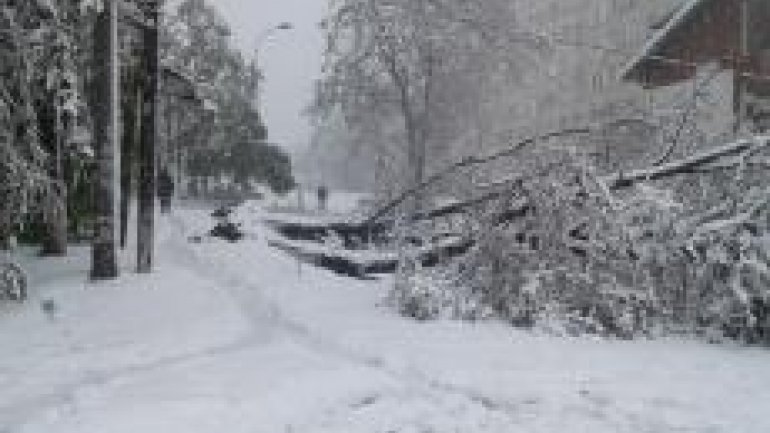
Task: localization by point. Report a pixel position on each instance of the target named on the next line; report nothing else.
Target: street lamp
(261, 39)
(265, 35)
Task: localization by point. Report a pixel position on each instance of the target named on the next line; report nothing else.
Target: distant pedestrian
(323, 197)
(165, 190)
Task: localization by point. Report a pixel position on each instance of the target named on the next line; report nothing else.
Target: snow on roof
(659, 36)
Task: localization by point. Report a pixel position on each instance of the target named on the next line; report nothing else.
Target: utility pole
(104, 263)
(147, 190)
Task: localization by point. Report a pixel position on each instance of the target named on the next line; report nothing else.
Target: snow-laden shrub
(13, 282)
(552, 253)
(552, 302)
(734, 284)
(558, 250)
(432, 294)
(421, 297)
(566, 256)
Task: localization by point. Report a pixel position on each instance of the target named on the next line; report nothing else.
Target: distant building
(732, 35)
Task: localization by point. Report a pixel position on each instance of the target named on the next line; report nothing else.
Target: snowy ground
(240, 338)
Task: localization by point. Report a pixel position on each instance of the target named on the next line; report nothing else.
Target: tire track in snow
(259, 310)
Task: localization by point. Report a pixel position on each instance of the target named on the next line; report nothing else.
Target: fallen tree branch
(687, 165)
(374, 227)
(731, 165)
(469, 162)
(617, 181)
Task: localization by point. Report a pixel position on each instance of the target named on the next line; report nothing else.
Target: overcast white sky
(291, 60)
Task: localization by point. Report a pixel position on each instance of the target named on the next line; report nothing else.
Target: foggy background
(290, 60)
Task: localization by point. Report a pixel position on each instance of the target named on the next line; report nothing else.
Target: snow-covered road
(240, 338)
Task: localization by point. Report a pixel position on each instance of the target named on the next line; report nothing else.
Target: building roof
(680, 17)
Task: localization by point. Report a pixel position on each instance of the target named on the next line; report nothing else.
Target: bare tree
(389, 69)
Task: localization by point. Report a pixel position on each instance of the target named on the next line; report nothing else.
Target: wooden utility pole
(147, 189)
(104, 264)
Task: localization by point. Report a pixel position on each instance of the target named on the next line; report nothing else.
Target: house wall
(714, 34)
(711, 34)
(759, 45)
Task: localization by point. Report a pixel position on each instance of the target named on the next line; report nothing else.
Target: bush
(561, 251)
(432, 294)
(13, 282)
(555, 302)
(565, 261)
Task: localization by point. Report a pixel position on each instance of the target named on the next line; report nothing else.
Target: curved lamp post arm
(265, 35)
(261, 39)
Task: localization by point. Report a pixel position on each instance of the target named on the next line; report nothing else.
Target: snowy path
(238, 338)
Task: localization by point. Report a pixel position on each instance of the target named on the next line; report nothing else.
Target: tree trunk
(147, 190)
(178, 153)
(413, 206)
(131, 123)
(170, 140)
(55, 219)
(55, 205)
(5, 230)
(104, 264)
